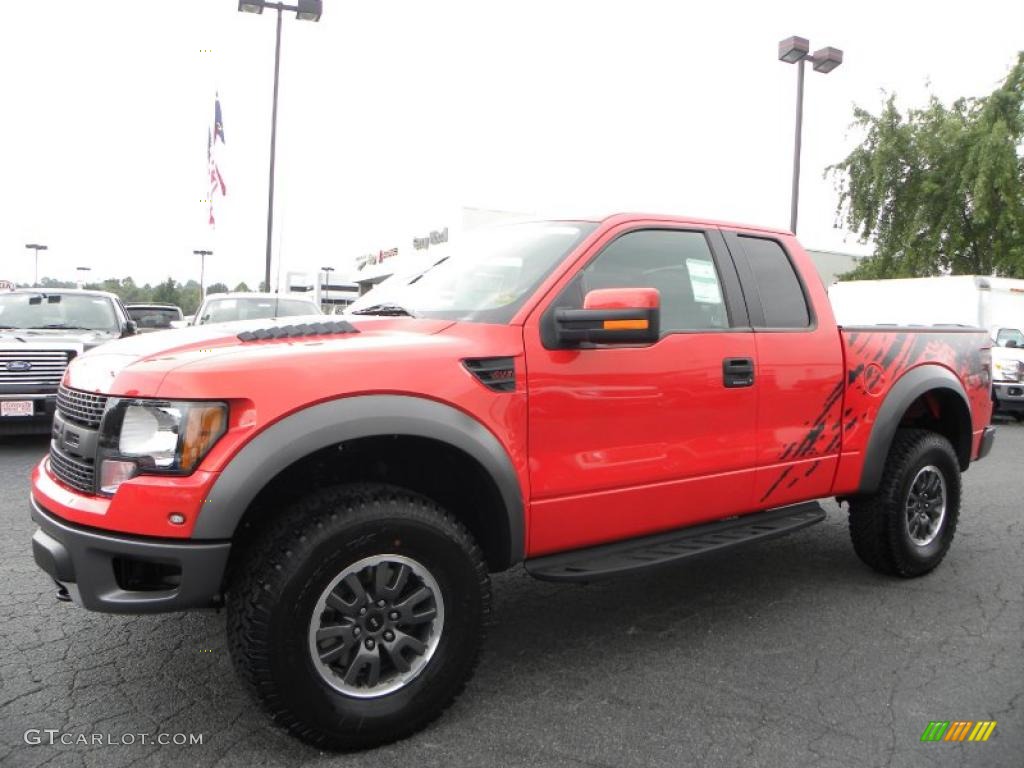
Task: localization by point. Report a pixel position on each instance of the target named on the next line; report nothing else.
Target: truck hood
(139, 365)
(14, 338)
(1007, 353)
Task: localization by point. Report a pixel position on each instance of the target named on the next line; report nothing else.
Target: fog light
(113, 473)
(176, 518)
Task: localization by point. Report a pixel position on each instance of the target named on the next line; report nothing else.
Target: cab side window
(782, 297)
(678, 264)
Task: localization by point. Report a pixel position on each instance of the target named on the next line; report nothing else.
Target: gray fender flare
(349, 418)
(906, 389)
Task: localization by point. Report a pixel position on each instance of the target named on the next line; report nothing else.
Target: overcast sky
(392, 114)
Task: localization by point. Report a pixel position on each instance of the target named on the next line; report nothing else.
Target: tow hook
(62, 593)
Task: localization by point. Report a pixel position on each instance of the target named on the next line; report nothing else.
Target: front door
(630, 440)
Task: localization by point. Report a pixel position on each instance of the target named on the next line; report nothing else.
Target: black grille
(77, 473)
(497, 373)
(81, 407)
(32, 367)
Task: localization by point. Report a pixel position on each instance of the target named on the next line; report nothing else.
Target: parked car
(228, 307)
(588, 398)
(154, 317)
(41, 330)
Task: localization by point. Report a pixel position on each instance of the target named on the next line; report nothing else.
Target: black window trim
(752, 295)
(728, 280)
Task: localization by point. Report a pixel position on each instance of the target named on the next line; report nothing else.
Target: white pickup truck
(1008, 372)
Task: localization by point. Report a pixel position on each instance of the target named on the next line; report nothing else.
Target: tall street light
(202, 270)
(305, 10)
(328, 270)
(37, 248)
(794, 50)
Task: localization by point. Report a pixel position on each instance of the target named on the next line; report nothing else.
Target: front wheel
(358, 616)
(906, 527)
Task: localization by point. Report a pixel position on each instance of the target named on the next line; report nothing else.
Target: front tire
(357, 617)
(906, 527)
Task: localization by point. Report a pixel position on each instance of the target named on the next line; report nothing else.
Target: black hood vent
(299, 330)
(497, 373)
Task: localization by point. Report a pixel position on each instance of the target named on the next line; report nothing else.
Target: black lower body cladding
(128, 574)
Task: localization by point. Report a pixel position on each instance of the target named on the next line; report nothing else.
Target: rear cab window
(772, 281)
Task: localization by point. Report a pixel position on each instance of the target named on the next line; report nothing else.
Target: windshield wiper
(65, 327)
(388, 310)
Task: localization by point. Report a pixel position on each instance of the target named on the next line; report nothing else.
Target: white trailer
(983, 302)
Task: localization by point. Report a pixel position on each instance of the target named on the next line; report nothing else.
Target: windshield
(228, 309)
(1006, 335)
(154, 317)
(57, 310)
(493, 272)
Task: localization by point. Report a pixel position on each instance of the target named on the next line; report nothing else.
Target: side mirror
(611, 316)
(130, 329)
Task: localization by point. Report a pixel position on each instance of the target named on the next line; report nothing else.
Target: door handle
(738, 372)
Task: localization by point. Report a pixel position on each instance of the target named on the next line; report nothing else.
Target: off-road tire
(276, 581)
(878, 523)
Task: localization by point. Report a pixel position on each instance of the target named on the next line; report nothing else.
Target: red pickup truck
(586, 398)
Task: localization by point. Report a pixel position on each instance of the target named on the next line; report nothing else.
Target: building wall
(833, 264)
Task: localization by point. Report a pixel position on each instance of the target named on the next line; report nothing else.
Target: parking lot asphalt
(790, 653)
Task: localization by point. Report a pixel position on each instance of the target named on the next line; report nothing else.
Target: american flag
(212, 137)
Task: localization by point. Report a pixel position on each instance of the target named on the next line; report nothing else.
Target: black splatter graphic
(775, 485)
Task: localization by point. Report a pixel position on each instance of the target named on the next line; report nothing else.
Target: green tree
(216, 288)
(242, 287)
(167, 292)
(939, 190)
(50, 282)
(190, 297)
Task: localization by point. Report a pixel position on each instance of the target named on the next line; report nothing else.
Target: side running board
(663, 548)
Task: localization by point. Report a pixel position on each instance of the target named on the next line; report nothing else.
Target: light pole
(202, 270)
(794, 50)
(81, 275)
(305, 10)
(327, 297)
(37, 248)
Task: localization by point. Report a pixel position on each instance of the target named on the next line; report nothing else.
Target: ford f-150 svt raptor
(583, 397)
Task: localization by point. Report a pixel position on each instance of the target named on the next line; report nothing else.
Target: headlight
(157, 436)
(1009, 370)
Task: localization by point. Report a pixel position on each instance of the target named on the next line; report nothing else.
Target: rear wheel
(358, 617)
(907, 526)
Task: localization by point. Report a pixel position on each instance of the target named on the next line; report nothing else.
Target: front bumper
(123, 574)
(1008, 396)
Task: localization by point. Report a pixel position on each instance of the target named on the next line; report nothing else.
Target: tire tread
(260, 573)
(875, 522)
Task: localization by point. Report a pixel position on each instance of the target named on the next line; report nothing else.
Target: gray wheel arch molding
(349, 418)
(914, 383)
